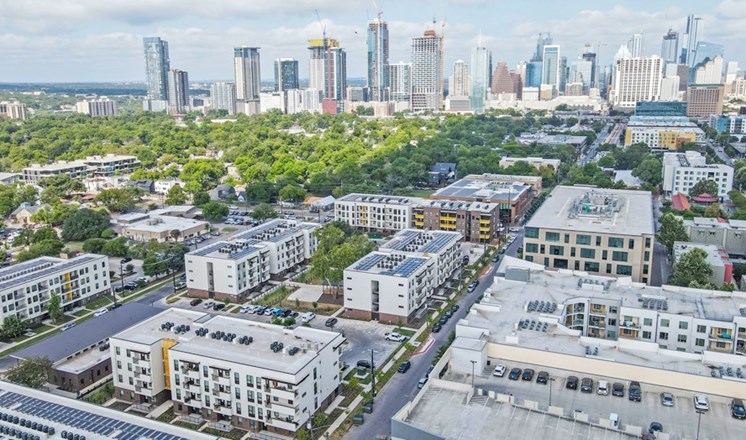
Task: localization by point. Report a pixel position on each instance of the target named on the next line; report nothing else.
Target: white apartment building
(247, 374)
(636, 79)
(25, 288)
(111, 164)
(235, 268)
(662, 132)
(371, 212)
(13, 110)
(163, 186)
(536, 162)
(106, 165)
(729, 235)
(681, 171)
(393, 283)
(97, 107)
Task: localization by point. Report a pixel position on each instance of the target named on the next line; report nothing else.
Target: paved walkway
(306, 292)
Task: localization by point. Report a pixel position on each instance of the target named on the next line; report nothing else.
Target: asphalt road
(591, 151)
(403, 387)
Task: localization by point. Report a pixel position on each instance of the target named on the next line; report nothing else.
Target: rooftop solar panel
(47, 271)
(406, 267)
(369, 261)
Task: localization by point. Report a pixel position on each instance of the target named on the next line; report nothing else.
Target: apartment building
(681, 171)
(662, 132)
(25, 288)
(393, 283)
(246, 374)
(729, 235)
(733, 124)
(232, 270)
(13, 110)
(536, 162)
(717, 258)
(704, 100)
(112, 164)
(595, 230)
(476, 222)
(380, 213)
(107, 165)
(97, 107)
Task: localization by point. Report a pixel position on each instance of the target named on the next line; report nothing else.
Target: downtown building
(178, 92)
(636, 79)
(427, 72)
(223, 96)
(480, 73)
(662, 132)
(378, 59)
(599, 231)
(246, 69)
(328, 72)
(238, 373)
(400, 82)
(286, 74)
(393, 283)
(681, 171)
(157, 66)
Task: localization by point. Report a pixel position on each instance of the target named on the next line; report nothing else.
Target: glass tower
(157, 66)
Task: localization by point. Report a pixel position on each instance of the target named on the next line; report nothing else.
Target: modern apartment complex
(232, 270)
(729, 235)
(734, 124)
(536, 162)
(223, 96)
(717, 258)
(248, 79)
(243, 373)
(427, 72)
(378, 59)
(157, 65)
(178, 91)
(370, 212)
(13, 110)
(25, 288)
(681, 171)
(393, 283)
(106, 165)
(97, 107)
(476, 222)
(662, 132)
(608, 232)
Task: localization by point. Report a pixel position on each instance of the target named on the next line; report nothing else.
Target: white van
(603, 388)
(614, 417)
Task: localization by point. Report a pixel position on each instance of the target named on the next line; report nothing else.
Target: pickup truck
(396, 337)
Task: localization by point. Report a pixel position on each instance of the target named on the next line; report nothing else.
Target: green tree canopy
(200, 199)
(691, 269)
(292, 193)
(264, 211)
(48, 248)
(671, 230)
(13, 326)
(649, 171)
(94, 245)
(119, 199)
(84, 224)
(206, 173)
(32, 372)
(176, 196)
(214, 211)
(54, 308)
(335, 251)
(704, 186)
(42, 234)
(61, 185)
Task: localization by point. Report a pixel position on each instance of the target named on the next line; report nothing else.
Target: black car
(737, 409)
(542, 377)
(442, 320)
(126, 259)
(437, 327)
(572, 383)
(655, 427)
(454, 308)
(115, 306)
(617, 389)
(331, 322)
(218, 306)
(496, 258)
(586, 385)
(635, 392)
(514, 374)
(286, 313)
(406, 365)
(364, 363)
(528, 374)
(466, 259)
(448, 314)
(195, 302)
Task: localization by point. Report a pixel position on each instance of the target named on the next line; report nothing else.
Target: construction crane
(328, 55)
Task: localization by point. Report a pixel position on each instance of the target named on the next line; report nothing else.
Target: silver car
(667, 399)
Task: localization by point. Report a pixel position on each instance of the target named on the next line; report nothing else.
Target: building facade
(662, 132)
(481, 63)
(636, 79)
(375, 212)
(378, 59)
(681, 171)
(459, 84)
(25, 288)
(608, 232)
(13, 110)
(476, 222)
(157, 65)
(223, 96)
(702, 101)
(427, 72)
(733, 124)
(246, 68)
(536, 162)
(276, 384)
(328, 68)
(717, 258)
(178, 91)
(400, 82)
(286, 74)
(97, 107)
(729, 235)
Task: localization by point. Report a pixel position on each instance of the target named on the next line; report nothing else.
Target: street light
(551, 382)
(473, 363)
(699, 421)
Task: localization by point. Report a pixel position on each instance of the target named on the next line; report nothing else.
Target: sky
(101, 40)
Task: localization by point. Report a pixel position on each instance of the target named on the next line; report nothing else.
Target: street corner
(424, 346)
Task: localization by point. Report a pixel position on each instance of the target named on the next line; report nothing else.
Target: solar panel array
(369, 261)
(79, 419)
(48, 271)
(209, 249)
(406, 267)
(439, 241)
(14, 270)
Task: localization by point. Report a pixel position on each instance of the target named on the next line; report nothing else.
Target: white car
(247, 309)
(100, 312)
(307, 317)
(514, 230)
(499, 370)
(208, 304)
(396, 337)
(701, 403)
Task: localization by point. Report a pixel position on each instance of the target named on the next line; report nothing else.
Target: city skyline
(78, 40)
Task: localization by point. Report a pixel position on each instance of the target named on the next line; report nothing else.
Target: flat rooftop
(225, 250)
(503, 178)
(589, 209)
(457, 205)
(160, 224)
(561, 139)
(274, 230)
(416, 240)
(108, 158)
(380, 199)
(389, 264)
(483, 190)
(702, 222)
(257, 354)
(716, 256)
(57, 166)
(661, 121)
(37, 268)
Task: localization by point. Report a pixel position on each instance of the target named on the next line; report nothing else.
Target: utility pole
(372, 375)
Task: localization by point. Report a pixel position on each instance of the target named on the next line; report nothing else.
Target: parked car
(542, 377)
(260, 310)
(737, 410)
(655, 427)
(218, 307)
(396, 337)
(331, 322)
(473, 285)
(635, 391)
(437, 327)
(454, 308)
(115, 306)
(496, 258)
(247, 309)
(195, 302)
(307, 317)
(586, 385)
(514, 374)
(528, 375)
(572, 383)
(67, 326)
(465, 260)
(101, 311)
(364, 363)
(443, 319)
(602, 389)
(208, 304)
(422, 382)
(617, 389)
(126, 259)
(499, 370)
(406, 365)
(701, 403)
(667, 399)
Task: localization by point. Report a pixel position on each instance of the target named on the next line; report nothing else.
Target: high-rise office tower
(706, 51)
(589, 55)
(481, 61)
(533, 74)
(564, 72)
(223, 96)
(178, 91)
(427, 71)
(636, 79)
(635, 46)
(550, 75)
(581, 71)
(502, 81)
(286, 74)
(157, 66)
(400, 81)
(459, 84)
(689, 44)
(378, 58)
(248, 79)
(328, 68)
(543, 40)
(670, 47)
(731, 72)
(704, 100)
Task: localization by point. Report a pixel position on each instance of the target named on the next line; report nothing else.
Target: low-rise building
(107, 165)
(25, 288)
(22, 215)
(662, 132)
(595, 230)
(375, 212)
(163, 228)
(395, 282)
(9, 178)
(112, 164)
(163, 186)
(727, 234)
(717, 259)
(232, 270)
(732, 124)
(536, 162)
(251, 375)
(476, 222)
(681, 171)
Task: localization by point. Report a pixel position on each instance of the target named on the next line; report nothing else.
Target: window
(583, 239)
(587, 253)
(663, 336)
(647, 321)
(646, 256)
(665, 322)
(616, 242)
(683, 325)
(619, 256)
(682, 338)
(531, 233)
(567, 238)
(647, 242)
(646, 335)
(623, 269)
(701, 329)
(598, 240)
(608, 268)
(556, 250)
(572, 251)
(235, 378)
(604, 255)
(631, 244)
(699, 342)
(532, 247)
(591, 267)
(552, 236)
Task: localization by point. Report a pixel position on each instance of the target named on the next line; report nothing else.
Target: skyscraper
(286, 74)
(543, 40)
(223, 96)
(636, 79)
(427, 71)
(635, 46)
(689, 44)
(328, 68)
(459, 84)
(502, 82)
(590, 55)
(706, 51)
(178, 96)
(481, 61)
(378, 58)
(533, 74)
(248, 79)
(157, 66)
(400, 81)
(670, 47)
(550, 75)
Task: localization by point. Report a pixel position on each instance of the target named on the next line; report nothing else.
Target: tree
(116, 248)
(55, 214)
(214, 211)
(292, 193)
(84, 224)
(691, 269)
(175, 234)
(61, 185)
(119, 199)
(264, 211)
(335, 251)
(649, 171)
(704, 186)
(13, 327)
(49, 248)
(23, 238)
(153, 266)
(32, 372)
(94, 245)
(672, 229)
(54, 308)
(200, 198)
(44, 234)
(202, 173)
(713, 211)
(176, 196)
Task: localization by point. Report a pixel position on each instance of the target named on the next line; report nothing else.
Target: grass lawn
(275, 298)
(74, 245)
(101, 302)
(42, 328)
(228, 230)
(80, 313)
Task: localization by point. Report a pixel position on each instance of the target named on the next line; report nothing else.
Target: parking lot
(679, 421)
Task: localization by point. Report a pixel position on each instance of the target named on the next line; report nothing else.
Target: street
(591, 151)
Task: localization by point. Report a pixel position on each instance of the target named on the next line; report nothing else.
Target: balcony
(283, 423)
(721, 334)
(283, 394)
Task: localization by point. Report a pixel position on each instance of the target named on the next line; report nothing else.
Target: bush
(107, 234)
